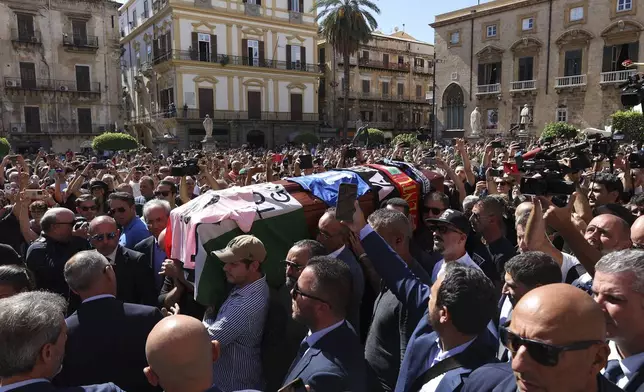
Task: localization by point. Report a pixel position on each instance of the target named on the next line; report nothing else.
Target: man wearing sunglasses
(86, 207)
(450, 237)
(331, 357)
(134, 275)
(122, 209)
(556, 345)
(167, 190)
(617, 288)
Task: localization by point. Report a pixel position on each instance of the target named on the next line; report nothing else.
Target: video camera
(636, 160)
(184, 167)
(632, 91)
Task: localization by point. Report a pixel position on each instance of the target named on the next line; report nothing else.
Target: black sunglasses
(120, 210)
(101, 237)
(296, 290)
(93, 208)
(293, 265)
(434, 210)
(542, 353)
(164, 193)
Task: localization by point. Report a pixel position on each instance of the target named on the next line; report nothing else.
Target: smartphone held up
(345, 206)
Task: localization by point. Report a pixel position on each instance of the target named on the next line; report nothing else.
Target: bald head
(180, 355)
(101, 220)
(523, 208)
(608, 233)
(57, 223)
(561, 322)
(637, 232)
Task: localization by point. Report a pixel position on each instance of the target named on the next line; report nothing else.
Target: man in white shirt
(618, 287)
(450, 235)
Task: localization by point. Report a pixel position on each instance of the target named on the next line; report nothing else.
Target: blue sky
(416, 15)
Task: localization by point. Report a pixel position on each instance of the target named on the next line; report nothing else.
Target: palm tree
(345, 24)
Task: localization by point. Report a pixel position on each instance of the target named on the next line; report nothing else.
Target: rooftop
(485, 9)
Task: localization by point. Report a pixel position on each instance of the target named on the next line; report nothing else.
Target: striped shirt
(238, 327)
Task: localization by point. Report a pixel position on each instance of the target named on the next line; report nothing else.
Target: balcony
(378, 96)
(223, 59)
(616, 76)
(158, 5)
(57, 129)
(367, 63)
(61, 86)
(252, 9)
(80, 42)
(570, 81)
(23, 36)
(523, 85)
(225, 115)
(422, 70)
(485, 89)
(372, 124)
(295, 17)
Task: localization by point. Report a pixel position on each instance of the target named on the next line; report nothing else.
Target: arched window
(453, 107)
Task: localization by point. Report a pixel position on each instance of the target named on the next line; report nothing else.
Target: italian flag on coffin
(208, 222)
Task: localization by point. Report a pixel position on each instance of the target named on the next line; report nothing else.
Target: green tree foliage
(405, 137)
(376, 136)
(559, 130)
(110, 141)
(629, 122)
(5, 147)
(306, 138)
(346, 24)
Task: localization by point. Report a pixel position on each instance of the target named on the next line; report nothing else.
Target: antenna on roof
(403, 27)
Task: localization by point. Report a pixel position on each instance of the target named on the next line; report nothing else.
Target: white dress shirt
(439, 268)
(629, 365)
(436, 355)
(337, 252)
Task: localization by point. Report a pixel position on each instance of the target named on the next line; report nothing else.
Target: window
(527, 24)
(385, 89)
(489, 73)
(384, 116)
(134, 18)
(84, 116)
(146, 9)
(561, 115)
(572, 64)
(419, 91)
(419, 62)
(491, 31)
(624, 5)
(366, 86)
(401, 89)
(616, 54)
(148, 50)
(366, 115)
(25, 27)
(416, 116)
(295, 57)
(526, 68)
(28, 75)
(112, 21)
(83, 78)
(295, 5)
(455, 37)
(576, 13)
(365, 55)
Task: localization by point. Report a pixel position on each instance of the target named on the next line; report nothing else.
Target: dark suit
(48, 387)
(134, 278)
(148, 248)
(335, 363)
(106, 342)
(414, 294)
(353, 316)
(499, 378)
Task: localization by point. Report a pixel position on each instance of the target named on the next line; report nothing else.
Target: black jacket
(106, 343)
(134, 278)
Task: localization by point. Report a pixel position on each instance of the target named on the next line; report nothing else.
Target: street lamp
(435, 121)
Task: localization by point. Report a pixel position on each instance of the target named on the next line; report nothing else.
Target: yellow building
(563, 59)
(391, 85)
(249, 65)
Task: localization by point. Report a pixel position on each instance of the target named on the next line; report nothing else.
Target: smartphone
(296, 385)
(13, 159)
(496, 173)
(347, 195)
(306, 162)
(35, 193)
(496, 144)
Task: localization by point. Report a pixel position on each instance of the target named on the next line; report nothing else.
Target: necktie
(300, 353)
(613, 371)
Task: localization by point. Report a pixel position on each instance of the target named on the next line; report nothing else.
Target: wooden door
(32, 119)
(206, 104)
(28, 75)
(296, 107)
(255, 105)
(79, 32)
(84, 120)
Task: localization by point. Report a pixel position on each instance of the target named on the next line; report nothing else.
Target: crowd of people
(490, 290)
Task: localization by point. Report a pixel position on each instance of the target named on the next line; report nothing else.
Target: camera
(546, 186)
(188, 167)
(632, 91)
(636, 160)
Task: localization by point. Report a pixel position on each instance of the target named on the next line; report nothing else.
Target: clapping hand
(170, 269)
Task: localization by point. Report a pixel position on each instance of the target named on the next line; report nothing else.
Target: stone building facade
(391, 85)
(251, 66)
(60, 61)
(560, 57)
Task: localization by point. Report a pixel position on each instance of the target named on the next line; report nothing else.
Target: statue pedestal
(523, 131)
(208, 144)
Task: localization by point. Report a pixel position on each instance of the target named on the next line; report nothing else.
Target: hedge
(5, 147)
(111, 141)
(405, 137)
(558, 130)
(306, 138)
(376, 136)
(629, 122)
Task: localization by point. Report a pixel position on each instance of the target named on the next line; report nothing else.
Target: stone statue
(475, 122)
(525, 116)
(207, 125)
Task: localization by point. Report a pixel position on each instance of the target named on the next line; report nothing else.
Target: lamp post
(434, 112)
